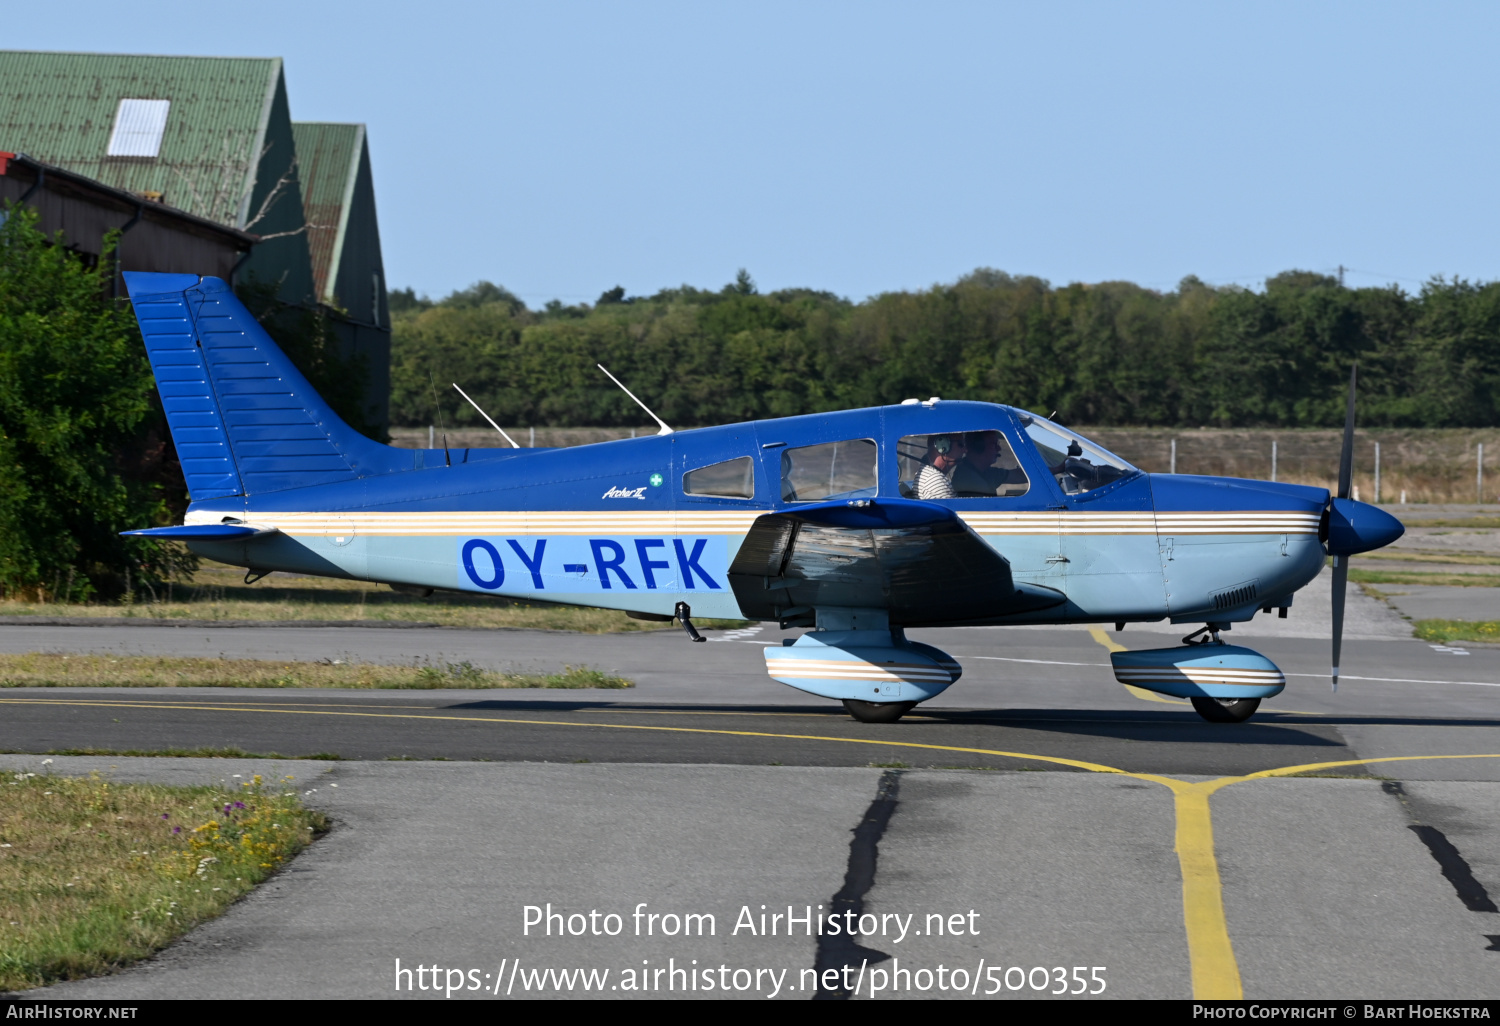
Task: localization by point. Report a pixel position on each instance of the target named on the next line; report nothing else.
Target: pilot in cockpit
(976, 474)
(944, 452)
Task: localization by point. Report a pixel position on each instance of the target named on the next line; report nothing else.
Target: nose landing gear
(1225, 683)
(1226, 710)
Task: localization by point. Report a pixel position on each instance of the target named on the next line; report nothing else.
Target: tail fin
(244, 419)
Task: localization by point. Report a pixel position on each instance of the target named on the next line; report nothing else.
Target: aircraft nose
(1355, 527)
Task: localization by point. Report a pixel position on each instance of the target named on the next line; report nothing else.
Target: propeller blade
(1340, 584)
(1341, 563)
(1346, 458)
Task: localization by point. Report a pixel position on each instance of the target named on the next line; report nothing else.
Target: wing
(917, 560)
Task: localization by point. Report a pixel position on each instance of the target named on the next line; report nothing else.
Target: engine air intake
(1239, 595)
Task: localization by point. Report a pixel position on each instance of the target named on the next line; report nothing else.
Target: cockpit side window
(960, 465)
(832, 470)
(1079, 465)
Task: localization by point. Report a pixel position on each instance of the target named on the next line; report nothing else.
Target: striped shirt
(932, 483)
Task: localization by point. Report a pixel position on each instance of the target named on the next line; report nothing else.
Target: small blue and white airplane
(858, 524)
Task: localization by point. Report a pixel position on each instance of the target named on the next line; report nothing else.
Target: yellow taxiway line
(1215, 971)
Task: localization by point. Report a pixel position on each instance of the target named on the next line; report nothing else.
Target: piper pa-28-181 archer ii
(858, 524)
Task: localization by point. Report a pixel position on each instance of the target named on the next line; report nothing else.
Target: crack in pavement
(837, 952)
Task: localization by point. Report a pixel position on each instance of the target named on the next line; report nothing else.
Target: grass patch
(1428, 556)
(1420, 577)
(1453, 522)
(1457, 630)
(1328, 776)
(179, 753)
(218, 592)
(95, 875)
(51, 670)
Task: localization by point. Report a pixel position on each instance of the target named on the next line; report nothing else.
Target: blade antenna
(664, 429)
(1341, 563)
(438, 407)
(486, 416)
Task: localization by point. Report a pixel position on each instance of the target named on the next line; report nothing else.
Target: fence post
(1377, 473)
(1479, 475)
(532, 443)
(1174, 456)
(1273, 459)
(431, 441)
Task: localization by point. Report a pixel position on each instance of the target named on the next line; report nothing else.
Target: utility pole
(1341, 275)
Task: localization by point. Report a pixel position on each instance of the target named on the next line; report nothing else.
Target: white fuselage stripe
(738, 522)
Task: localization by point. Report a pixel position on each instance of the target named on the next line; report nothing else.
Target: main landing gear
(877, 712)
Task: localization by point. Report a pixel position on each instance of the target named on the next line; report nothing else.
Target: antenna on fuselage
(664, 429)
(486, 416)
(438, 409)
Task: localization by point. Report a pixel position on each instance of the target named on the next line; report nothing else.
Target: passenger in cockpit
(943, 454)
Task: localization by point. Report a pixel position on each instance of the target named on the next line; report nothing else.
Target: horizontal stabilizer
(203, 532)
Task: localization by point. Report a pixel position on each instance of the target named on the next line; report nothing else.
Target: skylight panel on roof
(139, 127)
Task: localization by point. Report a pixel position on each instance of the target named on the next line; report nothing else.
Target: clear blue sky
(562, 148)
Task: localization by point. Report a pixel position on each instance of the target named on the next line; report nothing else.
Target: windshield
(1078, 464)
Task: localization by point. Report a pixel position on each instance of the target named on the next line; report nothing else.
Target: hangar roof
(329, 158)
(63, 109)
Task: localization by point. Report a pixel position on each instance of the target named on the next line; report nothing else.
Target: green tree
(76, 416)
(1111, 353)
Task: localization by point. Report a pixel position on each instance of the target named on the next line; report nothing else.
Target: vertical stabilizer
(244, 419)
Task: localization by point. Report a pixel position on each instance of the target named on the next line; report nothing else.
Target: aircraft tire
(1226, 710)
(877, 712)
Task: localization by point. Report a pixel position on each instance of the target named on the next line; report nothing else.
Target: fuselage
(633, 524)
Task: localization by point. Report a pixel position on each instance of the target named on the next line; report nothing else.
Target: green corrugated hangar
(211, 138)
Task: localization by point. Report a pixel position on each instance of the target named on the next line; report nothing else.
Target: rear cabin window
(960, 465)
(833, 470)
(732, 479)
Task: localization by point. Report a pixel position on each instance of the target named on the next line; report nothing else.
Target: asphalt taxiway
(1334, 846)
